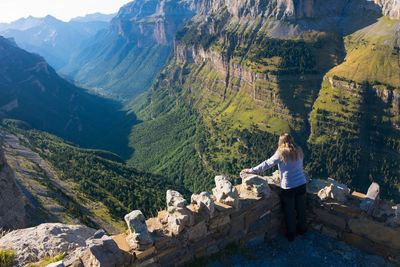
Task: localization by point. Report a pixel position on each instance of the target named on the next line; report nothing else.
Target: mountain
(94, 17)
(244, 72)
(390, 8)
(64, 183)
(51, 38)
(12, 210)
(30, 90)
(123, 60)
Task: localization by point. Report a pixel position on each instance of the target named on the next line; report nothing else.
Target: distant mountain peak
(94, 17)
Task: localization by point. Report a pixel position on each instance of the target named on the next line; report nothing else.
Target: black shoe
(301, 232)
(290, 237)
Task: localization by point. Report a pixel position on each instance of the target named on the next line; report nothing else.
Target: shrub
(6, 258)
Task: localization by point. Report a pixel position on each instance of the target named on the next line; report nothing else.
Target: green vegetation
(97, 178)
(199, 122)
(47, 102)
(354, 137)
(47, 260)
(7, 258)
(251, 88)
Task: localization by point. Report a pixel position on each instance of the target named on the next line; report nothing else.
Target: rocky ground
(313, 249)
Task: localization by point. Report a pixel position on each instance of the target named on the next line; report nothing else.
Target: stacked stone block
(182, 233)
(358, 219)
(249, 214)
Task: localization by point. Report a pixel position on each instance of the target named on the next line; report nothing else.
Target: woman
(289, 158)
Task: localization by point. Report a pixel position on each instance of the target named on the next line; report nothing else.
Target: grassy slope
(235, 126)
(350, 118)
(103, 189)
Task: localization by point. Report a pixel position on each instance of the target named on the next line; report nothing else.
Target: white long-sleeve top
(292, 174)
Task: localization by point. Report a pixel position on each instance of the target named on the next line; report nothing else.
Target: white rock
(174, 200)
(336, 191)
(178, 219)
(205, 203)
(256, 184)
(371, 200)
(314, 186)
(275, 178)
(48, 239)
(139, 236)
(56, 264)
(101, 250)
(225, 192)
(178, 215)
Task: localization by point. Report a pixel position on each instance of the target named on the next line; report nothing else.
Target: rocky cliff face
(390, 8)
(288, 10)
(123, 61)
(33, 92)
(256, 65)
(12, 205)
(151, 21)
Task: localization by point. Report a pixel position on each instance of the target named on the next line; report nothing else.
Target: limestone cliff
(123, 60)
(259, 66)
(12, 206)
(390, 8)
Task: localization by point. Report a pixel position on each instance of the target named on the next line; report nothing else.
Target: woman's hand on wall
(246, 171)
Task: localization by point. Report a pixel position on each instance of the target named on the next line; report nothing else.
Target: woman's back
(292, 173)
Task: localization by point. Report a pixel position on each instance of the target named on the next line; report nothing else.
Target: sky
(11, 10)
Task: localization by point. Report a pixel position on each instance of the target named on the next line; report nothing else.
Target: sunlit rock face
(390, 8)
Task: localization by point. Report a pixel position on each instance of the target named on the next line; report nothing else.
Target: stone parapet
(245, 216)
(376, 231)
(250, 214)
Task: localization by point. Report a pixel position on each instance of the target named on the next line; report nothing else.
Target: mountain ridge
(33, 92)
(123, 60)
(250, 77)
(52, 38)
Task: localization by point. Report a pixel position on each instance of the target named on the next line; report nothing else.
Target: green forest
(102, 176)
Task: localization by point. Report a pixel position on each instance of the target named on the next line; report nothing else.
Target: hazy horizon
(11, 10)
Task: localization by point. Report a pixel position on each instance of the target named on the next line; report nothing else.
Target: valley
(181, 91)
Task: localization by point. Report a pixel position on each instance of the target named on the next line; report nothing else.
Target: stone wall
(249, 214)
(376, 231)
(183, 233)
(208, 226)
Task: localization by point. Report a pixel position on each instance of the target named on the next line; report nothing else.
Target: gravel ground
(313, 249)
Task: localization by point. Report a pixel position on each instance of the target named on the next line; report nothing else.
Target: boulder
(174, 200)
(48, 239)
(336, 191)
(178, 219)
(178, 215)
(314, 186)
(56, 264)
(204, 203)
(275, 178)
(100, 251)
(256, 184)
(371, 201)
(139, 237)
(225, 192)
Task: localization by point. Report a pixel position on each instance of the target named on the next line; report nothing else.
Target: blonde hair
(288, 148)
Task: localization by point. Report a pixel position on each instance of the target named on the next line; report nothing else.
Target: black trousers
(294, 203)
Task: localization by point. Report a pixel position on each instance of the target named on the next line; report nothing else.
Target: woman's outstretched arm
(272, 161)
